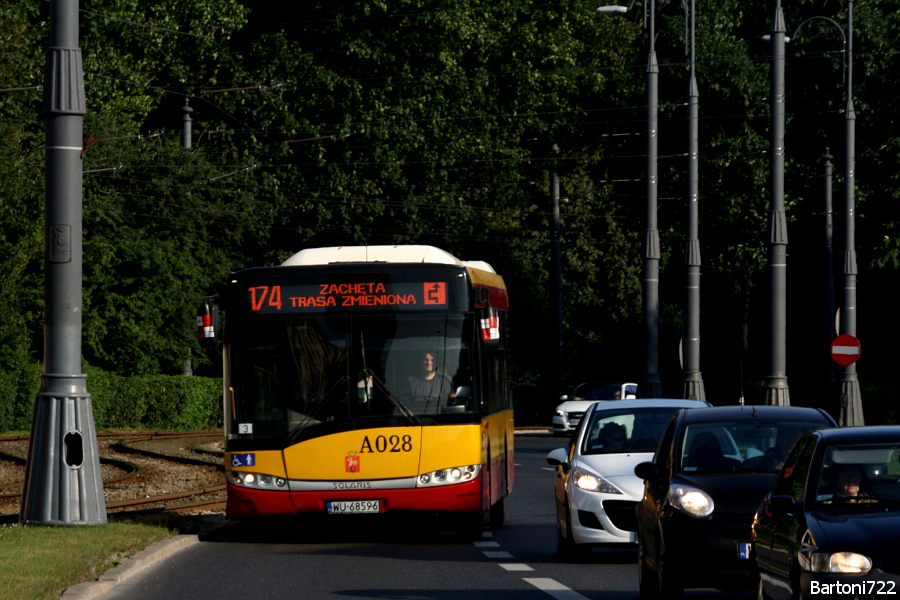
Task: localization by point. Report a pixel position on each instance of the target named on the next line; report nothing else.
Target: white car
(568, 413)
(596, 488)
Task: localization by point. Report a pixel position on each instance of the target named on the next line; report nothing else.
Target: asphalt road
(358, 556)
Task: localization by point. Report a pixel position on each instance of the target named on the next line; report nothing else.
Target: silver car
(568, 414)
(596, 488)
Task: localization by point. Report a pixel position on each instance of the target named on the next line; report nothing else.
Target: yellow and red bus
(368, 380)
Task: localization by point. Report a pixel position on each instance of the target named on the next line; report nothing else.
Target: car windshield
(859, 475)
(597, 391)
(748, 445)
(626, 430)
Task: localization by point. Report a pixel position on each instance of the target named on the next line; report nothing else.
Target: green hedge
(159, 402)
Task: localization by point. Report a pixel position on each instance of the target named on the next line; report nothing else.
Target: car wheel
(561, 544)
(669, 584)
(565, 545)
(646, 582)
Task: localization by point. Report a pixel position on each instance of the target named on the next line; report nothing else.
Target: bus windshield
(301, 377)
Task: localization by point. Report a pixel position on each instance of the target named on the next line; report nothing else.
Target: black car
(710, 472)
(830, 526)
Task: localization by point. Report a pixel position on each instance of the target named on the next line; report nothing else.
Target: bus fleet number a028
(383, 443)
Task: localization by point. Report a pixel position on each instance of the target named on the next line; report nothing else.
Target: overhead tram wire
(360, 201)
(319, 227)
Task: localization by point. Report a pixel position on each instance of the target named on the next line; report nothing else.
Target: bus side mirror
(207, 324)
(489, 322)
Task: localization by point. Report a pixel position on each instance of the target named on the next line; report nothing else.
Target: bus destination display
(351, 296)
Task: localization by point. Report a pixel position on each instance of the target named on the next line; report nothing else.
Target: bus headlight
(448, 476)
(256, 480)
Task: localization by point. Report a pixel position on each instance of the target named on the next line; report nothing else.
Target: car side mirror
(781, 505)
(558, 457)
(564, 398)
(648, 471)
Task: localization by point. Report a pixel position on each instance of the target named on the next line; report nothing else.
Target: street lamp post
(693, 381)
(650, 385)
(849, 382)
(776, 382)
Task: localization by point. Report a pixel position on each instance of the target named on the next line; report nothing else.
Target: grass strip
(38, 563)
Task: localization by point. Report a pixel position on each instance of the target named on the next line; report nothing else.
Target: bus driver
(431, 384)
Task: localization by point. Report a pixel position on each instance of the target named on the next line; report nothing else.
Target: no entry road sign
(845, 350)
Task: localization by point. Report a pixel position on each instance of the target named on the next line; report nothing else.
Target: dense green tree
(422, 121)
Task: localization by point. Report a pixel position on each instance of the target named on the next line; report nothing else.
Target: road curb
(129, 567)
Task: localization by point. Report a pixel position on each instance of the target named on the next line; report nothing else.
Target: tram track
(157, 477)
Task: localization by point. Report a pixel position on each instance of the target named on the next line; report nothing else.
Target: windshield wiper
(325, 399)
(404, 410)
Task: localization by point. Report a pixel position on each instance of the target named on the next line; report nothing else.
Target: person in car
(848, 483)
(613, 437)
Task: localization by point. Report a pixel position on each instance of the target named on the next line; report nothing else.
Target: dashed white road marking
(516, 567)
(500, 554)
(487, 534)
(554, 588)
(547, 469)
(488, 544)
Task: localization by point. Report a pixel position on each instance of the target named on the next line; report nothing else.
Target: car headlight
(836, 562)
(691, 501)
(560, 413)
(594, 483)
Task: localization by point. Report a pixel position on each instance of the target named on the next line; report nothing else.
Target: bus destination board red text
(296, 298)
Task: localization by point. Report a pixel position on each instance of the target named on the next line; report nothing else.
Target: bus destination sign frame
(277, 296)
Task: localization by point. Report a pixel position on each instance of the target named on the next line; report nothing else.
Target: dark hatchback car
(710, 472)
(830, 527)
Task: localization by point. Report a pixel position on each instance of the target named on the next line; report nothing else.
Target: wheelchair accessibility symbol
(243, 460)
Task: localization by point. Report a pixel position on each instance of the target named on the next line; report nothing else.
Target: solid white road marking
(500, 554)
(516, 567)
(554, 588)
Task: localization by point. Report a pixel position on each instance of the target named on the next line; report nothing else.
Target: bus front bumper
(248, 502)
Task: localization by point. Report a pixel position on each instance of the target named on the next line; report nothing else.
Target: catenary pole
(693, 380)
(556, 274)
(776, 382)
(650, 385)
(829, 270)
(849, 381)
(63, 484)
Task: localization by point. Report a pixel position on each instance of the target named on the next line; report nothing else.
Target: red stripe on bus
(246, 502)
